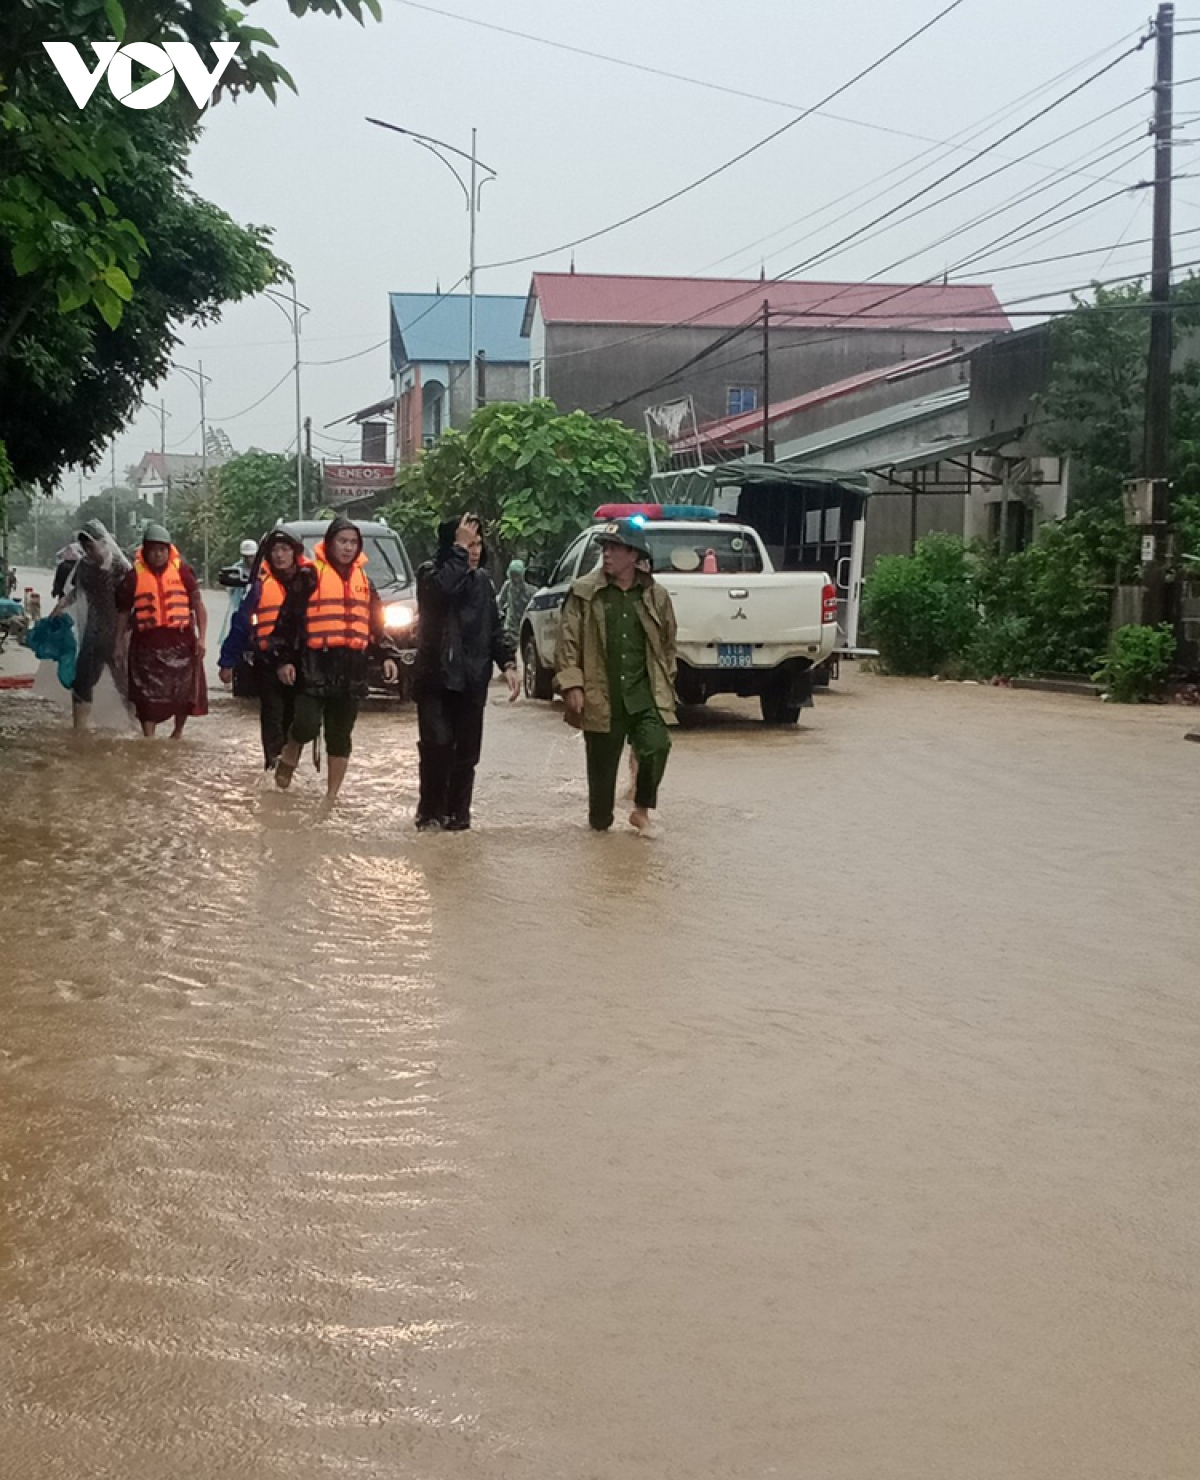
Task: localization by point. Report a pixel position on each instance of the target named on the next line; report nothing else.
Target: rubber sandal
(283, 775)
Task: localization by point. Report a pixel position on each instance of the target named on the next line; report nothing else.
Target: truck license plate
(735, 655)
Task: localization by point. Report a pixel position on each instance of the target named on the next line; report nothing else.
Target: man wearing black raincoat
(459, 638)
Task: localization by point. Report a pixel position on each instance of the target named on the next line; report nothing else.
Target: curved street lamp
(295, 311)
(473, 192)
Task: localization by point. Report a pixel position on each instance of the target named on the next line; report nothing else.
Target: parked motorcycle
(13, 622)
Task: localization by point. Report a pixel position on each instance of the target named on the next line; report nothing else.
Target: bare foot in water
(643, 824)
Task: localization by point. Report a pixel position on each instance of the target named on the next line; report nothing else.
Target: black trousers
(450, 727)
(277, 704)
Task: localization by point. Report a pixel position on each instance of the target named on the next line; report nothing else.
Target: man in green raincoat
(616, 672)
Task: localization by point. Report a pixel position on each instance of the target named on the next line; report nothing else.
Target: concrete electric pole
(1160, 587)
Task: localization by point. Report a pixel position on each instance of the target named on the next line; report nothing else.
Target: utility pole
(200, 380)
(474, 209)
(1159, 590)
(308, 437)
(204, 472)
(162, 452)
(299, 444)
(480, 377)
(768, 445)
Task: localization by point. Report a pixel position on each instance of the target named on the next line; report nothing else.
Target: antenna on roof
(572, 264)
(762, 273)
(438, 288)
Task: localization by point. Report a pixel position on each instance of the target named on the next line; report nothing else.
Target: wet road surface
(848, 1133)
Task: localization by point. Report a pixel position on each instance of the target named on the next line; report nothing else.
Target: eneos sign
(165, 61)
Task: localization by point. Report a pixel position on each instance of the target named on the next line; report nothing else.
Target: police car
(744, 627)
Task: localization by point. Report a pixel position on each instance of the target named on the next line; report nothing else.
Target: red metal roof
(594, 298)
(729, 431)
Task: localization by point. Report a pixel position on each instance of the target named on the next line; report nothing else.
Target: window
(565, 569)
(741, 398)
(538, 381)
(685, 550)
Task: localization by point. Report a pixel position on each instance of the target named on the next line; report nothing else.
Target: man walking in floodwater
(163, 613)
(459, 639)
(616, 672)
(90, 595)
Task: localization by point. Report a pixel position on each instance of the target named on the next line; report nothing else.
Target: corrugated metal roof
(851, 434)
(435, 328)
(594, 298)
(730, 430)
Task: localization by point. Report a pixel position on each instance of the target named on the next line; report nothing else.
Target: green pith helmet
(155, 534)
(628, 532)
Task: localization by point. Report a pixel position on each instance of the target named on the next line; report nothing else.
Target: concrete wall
(591, 366)
(1007, 373)
(501, 383)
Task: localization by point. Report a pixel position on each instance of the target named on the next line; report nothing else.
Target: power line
(852, 236)
(967, 138)
(358, 354)
(744, 154)
(762, 286)
(1055, 173)
(245, 411)
(702, 82)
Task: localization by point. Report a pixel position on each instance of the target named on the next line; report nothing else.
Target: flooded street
(848, 1133)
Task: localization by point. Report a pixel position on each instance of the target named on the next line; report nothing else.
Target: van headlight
(399, 616)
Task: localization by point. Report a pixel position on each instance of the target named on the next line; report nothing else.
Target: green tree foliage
(247, 495)
(534, 475)
(58, 523)
(103, 247)
(1138, 663)
(921, 610)
(1046, 609)
(1095, 406)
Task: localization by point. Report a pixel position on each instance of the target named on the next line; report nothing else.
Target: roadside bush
(1138, 663)
(1045, 610)
(920, 609)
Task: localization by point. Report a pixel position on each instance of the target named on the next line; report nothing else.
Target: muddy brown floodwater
(849, 1133)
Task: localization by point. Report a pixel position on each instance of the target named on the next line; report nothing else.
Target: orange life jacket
(339, 611)
(160, 599)
(271, 594)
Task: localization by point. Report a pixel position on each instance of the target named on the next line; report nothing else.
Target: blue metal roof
(434, 328)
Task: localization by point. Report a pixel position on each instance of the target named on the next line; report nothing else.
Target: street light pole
(474, 210)
(293, 303)
(473, 191)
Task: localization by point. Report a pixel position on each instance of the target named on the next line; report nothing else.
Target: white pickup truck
(744, 627)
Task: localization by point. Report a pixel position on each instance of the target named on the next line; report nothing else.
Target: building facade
(433, 387)
(620, 346)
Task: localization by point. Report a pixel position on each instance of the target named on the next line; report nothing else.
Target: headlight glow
(398, 616)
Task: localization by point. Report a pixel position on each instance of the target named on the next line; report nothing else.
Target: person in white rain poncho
(90, 598)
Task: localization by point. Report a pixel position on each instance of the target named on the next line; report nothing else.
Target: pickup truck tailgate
(779, 610)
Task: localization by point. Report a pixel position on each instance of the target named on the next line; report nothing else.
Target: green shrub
(1045, 610)
(920, 609)
(1138, 663)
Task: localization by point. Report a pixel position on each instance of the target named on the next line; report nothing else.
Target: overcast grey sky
(579, 142)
